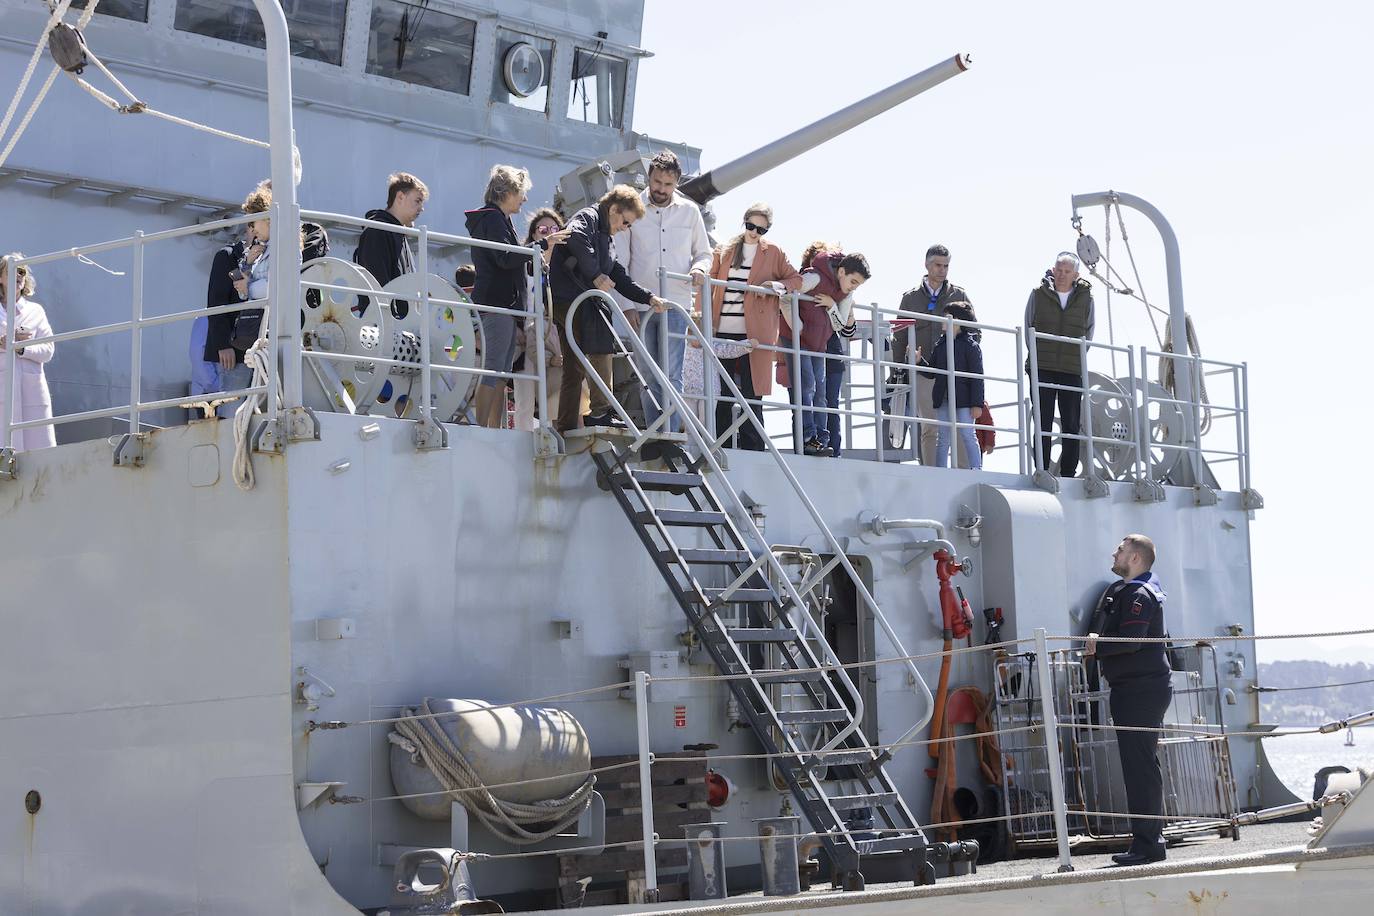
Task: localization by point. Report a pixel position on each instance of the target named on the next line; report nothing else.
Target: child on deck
(695, 376)
(831, 279)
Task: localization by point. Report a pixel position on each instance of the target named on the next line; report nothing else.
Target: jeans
(236, 378)
(813, 395)
(834, 379)
(967, 437)
(653, 329)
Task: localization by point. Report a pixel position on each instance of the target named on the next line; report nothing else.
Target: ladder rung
(762, 634)
(850, 802)
(810, 676)
(660, 480)
(841, 758)
(738, 596)
(701, 519)
(710, 555)
(810, 716)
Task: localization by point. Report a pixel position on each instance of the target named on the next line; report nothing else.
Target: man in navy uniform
(1139, 675)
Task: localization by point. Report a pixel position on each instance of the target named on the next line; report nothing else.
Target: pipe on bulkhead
(880, 525)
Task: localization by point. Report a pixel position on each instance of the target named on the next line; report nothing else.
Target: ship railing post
(1024, 441)
(1050, 723)
(875, 332)
(646, 805)
(541, 327)
(1085, 423)
(1195, 371)
(1244, 402)
(795, 359)
(709, 383)
(427, 433)
(1143, 421)
(1037, 435)
(950, 392)
(136, 337)
(11, 307)
(1136, 386)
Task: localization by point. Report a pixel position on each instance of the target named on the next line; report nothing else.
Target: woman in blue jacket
(968, 389)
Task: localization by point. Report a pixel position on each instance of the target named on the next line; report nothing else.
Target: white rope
(1167, 374)
(53, 20)
(137, 106)
(28, 116)
(256, 358)
(430, 743)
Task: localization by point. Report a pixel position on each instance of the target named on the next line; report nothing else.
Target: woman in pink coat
(32, 400)
(748, 257)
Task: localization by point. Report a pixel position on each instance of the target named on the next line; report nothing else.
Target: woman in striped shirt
(738, 315)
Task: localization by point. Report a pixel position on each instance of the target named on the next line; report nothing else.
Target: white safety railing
(135, 325)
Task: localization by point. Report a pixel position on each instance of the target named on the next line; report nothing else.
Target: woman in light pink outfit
(32, 400)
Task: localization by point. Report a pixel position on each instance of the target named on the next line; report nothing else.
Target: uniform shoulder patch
(1138, 606)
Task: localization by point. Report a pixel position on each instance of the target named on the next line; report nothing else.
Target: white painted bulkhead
(161, 724)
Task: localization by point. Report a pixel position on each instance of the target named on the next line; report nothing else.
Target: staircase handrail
(701, 437)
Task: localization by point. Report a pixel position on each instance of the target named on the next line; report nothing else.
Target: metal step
(813, 716)
(840, 758)
(790, 677)
(660, 480)
(687, 517)
(709, 555)
(738, 596)
(763, 634)
(850, 802)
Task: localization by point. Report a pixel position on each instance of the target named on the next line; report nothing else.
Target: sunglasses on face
(545, 230)
(761, 230)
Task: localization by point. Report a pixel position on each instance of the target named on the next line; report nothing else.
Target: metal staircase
(790, 685)
(839, 784)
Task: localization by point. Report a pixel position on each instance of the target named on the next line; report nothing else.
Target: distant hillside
(1310, 703)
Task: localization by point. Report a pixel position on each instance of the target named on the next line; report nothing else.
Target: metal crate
(1199, 788)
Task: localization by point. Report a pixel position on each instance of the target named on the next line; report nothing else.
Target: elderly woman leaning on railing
(30, 320)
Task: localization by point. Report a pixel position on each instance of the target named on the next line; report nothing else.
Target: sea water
(1296, 758)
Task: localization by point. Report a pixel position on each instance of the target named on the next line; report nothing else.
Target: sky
(1247, 124)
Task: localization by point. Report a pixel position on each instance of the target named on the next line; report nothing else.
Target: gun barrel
(726, 178)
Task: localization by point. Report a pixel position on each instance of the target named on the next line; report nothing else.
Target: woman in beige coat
(742, 316)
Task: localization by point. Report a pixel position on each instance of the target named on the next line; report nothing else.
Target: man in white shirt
(672, 235)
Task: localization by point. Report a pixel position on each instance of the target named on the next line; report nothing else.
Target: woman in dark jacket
(968, 390)
(502, 281)
(587, 263)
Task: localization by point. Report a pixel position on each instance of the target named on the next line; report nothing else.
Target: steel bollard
(705, 861)
(778, 855)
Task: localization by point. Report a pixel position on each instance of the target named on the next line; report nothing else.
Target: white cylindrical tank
(503, 745)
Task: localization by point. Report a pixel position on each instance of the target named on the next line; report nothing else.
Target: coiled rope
(425, 740)
(255, 358)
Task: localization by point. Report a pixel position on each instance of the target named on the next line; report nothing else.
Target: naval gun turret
(587, 183)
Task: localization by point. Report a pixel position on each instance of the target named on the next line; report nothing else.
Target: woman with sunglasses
(738, 315)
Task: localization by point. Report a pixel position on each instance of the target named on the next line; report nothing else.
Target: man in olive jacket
(1061, 305)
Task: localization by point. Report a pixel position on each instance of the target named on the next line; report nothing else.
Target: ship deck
(1258, 846)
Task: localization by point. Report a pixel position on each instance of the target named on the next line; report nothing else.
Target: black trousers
(1141, 703)
(747, 437)
(1070, 419)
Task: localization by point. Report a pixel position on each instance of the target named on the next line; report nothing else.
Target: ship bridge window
(137, 10)
(598, 89)
(523, 65)
(421, 45)
(317, 26)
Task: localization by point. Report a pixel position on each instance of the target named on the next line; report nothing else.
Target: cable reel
(1112, 405)
(453, 333)
(331, 323)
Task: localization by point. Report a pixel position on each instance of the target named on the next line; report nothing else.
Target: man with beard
(671, 234)
(1139, 676)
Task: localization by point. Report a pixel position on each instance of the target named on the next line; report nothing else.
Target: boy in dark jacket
(968, 389)
(387, 255)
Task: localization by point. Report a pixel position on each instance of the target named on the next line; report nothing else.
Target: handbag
(247, 329)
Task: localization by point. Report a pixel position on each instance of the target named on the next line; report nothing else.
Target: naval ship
(341, 653)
